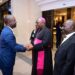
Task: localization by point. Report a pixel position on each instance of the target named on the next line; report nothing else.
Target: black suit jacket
(65, 58)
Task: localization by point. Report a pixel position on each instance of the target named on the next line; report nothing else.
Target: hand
(26, 48)
(29, 47)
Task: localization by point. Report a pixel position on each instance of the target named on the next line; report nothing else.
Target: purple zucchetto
(41, 19)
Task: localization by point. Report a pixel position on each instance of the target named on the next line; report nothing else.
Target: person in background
(33, 34)
(42, 56)
(58, 34)
(65, 55)
(8, 46)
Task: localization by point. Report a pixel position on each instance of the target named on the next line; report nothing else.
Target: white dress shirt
(67, 37)
(11, 29)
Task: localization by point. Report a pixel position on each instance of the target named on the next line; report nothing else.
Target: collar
(10, 29)
(67, 37)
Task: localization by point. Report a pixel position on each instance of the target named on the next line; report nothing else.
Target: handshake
(29, 47)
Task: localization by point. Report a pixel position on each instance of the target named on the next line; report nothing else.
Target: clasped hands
(29, 47)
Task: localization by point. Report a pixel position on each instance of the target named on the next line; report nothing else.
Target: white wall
(26, 13)
(55, 4)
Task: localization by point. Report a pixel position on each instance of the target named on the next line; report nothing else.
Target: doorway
(58, 15)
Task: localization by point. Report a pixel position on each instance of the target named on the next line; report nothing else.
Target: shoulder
(47, 30)
(73, 39)
(6, 31)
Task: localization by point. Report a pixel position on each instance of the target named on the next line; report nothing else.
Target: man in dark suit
(65, 55)
(8, 46)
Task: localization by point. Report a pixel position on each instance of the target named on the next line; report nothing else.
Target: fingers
(29, 47)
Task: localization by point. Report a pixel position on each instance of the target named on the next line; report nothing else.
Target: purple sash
(40, 59)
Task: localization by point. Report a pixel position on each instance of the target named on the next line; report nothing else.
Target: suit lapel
(64, 44)
(67, 41)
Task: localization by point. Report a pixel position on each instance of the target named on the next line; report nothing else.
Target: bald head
(69, 26)
(9, 20)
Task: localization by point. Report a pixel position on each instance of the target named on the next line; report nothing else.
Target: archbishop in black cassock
(45, 36)
(41, 53)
